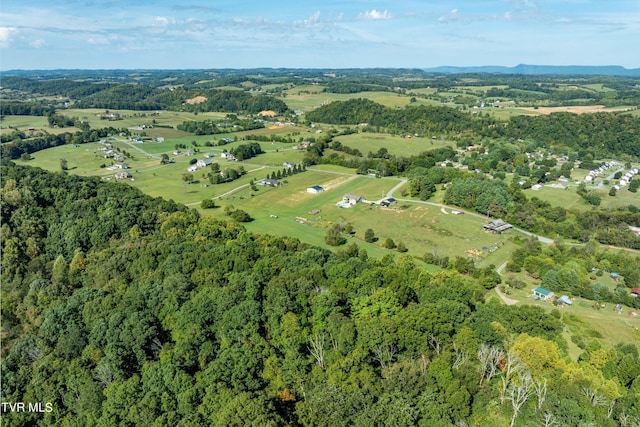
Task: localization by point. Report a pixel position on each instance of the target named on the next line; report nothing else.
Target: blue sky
(39, 34)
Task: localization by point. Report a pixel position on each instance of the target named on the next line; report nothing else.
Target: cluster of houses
(594, 173)
(109, 153)
(626, 179)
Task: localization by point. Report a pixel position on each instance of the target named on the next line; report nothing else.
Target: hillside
(121, 309)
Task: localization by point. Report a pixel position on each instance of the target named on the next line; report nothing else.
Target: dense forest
(121, 309)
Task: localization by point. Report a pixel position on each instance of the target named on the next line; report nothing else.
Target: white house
(192, 168)
(289, 165)
(121, 165)
(204, 163)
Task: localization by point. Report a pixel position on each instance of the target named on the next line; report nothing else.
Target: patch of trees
(24, 109)
(423, 120)
(122, 309)
(210, 127)
(220, 175)
(246, 151)
(603, 134)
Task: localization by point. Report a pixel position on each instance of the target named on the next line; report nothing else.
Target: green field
(23, 123)
(397, 145)
(306, 102)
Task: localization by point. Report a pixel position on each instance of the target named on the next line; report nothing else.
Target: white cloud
(451, 16)
(375, 15)
(6, 34)
(163, 21)
(38, 43)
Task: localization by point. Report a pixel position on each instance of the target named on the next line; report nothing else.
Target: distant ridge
(591, 70)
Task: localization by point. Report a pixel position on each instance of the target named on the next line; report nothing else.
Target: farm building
(635, 292)
(192, 168)
(542, 293)
(497, 226)
(536, 187)
(209, 155)
(270, 182)
(351, 199)
(123, 175)
(315, 189)
(289, 165)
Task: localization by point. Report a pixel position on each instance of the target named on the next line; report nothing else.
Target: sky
(195, 34)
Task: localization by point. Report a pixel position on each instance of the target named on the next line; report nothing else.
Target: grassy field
(581, 319)
(569, 199)
(23, 123)
(397, 145)
(307, 98)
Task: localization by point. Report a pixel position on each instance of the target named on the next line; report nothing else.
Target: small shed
(565, 300)
(614, 275)
(635, 292)
(542, 293)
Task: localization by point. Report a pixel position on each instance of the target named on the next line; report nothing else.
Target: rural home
(635, 292)
(351, 199)
(497, 226)
(121, 165)
(209, 155)
(204, 163)
(315, 189)
(270, 182)
(542, 293)
(192, 168)
(123, 175)
(536, 187)
(289, 165)
(189, 153)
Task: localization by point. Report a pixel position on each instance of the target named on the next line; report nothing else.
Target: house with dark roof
(497, 226)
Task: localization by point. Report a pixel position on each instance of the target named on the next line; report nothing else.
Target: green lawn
(23, 123)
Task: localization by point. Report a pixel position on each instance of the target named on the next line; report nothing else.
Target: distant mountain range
(595, 70)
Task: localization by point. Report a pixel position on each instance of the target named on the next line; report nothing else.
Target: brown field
(570, 109)
(197, 100)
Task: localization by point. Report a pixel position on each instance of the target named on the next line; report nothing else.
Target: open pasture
(395, 144)
(38, 123)
(421, 228)
(313, 98)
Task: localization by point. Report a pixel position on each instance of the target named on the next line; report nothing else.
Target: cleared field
(23, 123)
(397, 145)
(575, 109)
(420, 227)
(309, 101)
